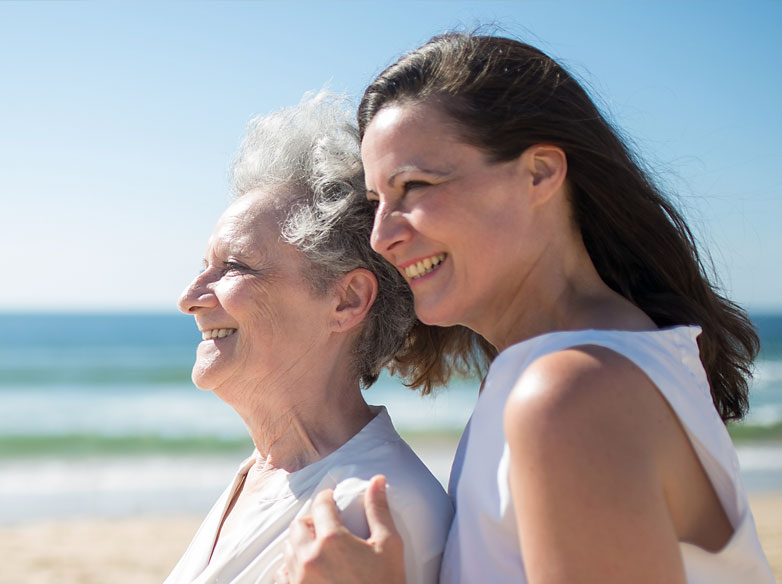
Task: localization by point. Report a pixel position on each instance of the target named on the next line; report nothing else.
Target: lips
(424, 266)
(217, 333)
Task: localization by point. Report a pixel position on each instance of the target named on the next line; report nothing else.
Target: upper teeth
(422, 267)
(216, 333)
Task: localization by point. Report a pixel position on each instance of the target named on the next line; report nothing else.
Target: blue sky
(118, 122)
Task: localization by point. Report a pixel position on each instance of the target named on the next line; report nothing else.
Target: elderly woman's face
(257, 314)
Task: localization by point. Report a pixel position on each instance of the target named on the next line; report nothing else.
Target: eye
(373, 200)
(231, 266)
(414, 184)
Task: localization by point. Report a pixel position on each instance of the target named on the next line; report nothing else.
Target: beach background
(118, 121)
(110, 457)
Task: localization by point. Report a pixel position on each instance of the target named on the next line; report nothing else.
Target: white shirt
(421, 510)
(483, 545)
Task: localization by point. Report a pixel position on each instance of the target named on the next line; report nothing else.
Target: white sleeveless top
(483, 544)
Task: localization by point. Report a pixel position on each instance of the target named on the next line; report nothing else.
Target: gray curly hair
(310, 155)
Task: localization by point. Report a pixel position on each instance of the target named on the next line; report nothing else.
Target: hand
(321, 550)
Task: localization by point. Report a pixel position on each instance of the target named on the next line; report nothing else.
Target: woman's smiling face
(257, 313)
(448, 219)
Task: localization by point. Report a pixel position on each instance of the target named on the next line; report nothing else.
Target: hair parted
(309, 154)
(506, 96)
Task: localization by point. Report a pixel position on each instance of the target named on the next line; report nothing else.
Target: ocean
(98, 415)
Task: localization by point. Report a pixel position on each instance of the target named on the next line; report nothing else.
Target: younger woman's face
(455, 225)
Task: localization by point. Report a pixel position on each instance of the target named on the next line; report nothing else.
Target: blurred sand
(143, 550)
(94, 551)
(767, 509)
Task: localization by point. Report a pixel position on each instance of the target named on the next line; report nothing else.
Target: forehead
(249, 225)
(412, 119)
(409, 133)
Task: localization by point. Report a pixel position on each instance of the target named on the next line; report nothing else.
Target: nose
(389, 230)
(197, 295)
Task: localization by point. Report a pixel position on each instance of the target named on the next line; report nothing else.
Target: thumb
(381, 524)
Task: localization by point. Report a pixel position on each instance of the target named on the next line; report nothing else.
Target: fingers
(287, 569)
(301, 538)
(325, 515)
(302, 530)
(320, 550)
(381, 523)
(281, 576)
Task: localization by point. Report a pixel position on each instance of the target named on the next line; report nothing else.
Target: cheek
(271, 313)
(429, 220)
(443, 212)
(244, 299)
(260, 302)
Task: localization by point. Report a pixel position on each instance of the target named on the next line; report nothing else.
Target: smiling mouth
(216, 333)
(423, 267)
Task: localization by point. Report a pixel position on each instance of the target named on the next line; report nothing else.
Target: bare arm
(585, 430)
(321, 550)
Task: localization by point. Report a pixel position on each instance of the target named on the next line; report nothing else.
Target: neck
(551, 297)
(291, 435)
(299, 417)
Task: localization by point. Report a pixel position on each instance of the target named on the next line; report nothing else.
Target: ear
(356, 292)
(547, 168)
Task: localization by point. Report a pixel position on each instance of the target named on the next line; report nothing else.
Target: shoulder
(412, 489)
(394, 458)
(588, 434)
(421, 509)
(386, 452)
(590, 398)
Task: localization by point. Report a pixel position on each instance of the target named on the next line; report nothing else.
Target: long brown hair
(505, 96)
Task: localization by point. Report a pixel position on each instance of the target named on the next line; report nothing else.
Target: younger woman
(597, 450)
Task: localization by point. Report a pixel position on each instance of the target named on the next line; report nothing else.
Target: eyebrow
(225, 251)
(407, 168)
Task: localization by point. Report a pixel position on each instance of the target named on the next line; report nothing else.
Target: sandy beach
(143, 550)
(767, 508)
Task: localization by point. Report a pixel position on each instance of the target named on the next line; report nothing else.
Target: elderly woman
(296, 314)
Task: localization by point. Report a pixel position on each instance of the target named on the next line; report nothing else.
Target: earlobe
(356, 292)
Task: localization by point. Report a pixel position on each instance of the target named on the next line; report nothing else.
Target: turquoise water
(121, 383)
(98, 417)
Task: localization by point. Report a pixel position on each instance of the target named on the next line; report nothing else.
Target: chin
(211, 368)
(199, 381)
(205, 377)
(436, 315)
(433, 319)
